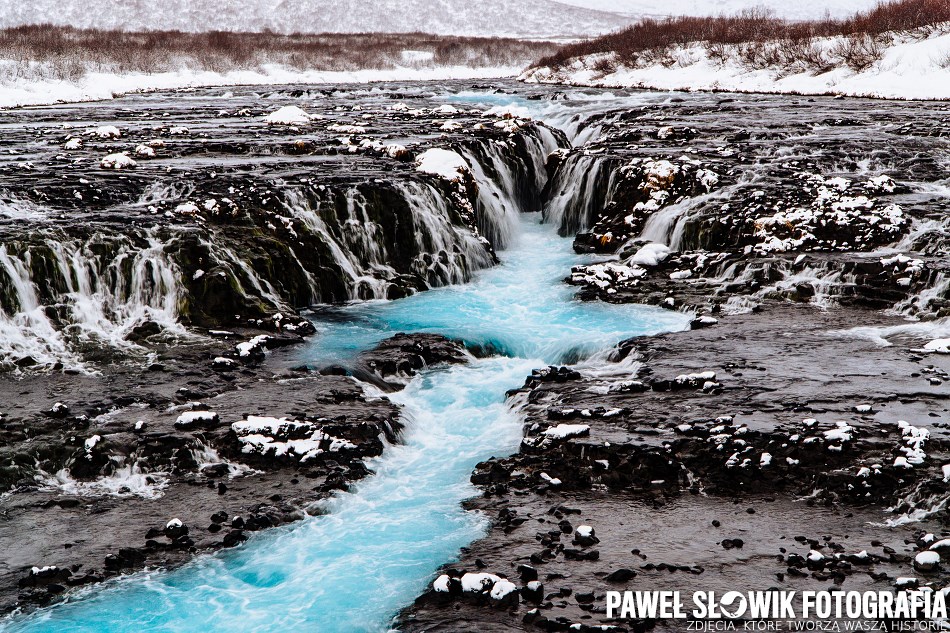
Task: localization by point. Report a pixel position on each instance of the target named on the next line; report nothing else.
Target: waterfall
(510, 179)
(579, 190)
(308, 243)
(355, 247)
(26, 331)
(668, 225)
(448, 253)
(61, 294)
(922, 302)
(363, 251)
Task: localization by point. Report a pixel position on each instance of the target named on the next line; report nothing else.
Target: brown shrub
(70, 52)
(751, 29)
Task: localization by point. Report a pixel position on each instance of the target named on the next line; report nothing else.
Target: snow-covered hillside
(516, 18)
(800, 10)
(911, 66)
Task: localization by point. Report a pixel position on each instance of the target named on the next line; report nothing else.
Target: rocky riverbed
(796, 436)
(155, 402)
(171, 461)
(763, 452)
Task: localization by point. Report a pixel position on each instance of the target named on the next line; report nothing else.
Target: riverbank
(791, 443)
(905, 70)
(166, 477)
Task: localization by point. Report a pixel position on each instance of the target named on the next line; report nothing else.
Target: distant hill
(513, 18)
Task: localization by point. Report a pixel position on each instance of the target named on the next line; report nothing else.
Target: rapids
(378, 545)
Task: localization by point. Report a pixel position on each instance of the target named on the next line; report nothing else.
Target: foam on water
(380, 543)
(569, 114)
(520, 308)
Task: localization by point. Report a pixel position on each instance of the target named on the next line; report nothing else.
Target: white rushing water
(101, 301)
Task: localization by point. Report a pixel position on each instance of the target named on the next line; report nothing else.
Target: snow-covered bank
(910, 67)
(98, 86)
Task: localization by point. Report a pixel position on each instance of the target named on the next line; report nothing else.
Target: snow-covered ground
(911, 67)
(99, 86)
(801, 10)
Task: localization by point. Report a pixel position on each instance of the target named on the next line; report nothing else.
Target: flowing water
(380, 543)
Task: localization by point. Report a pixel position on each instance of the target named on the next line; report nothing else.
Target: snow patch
(441, 162)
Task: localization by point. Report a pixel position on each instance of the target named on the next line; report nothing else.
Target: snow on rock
(73, 144)
(836, 209)
(584, 536)
(703, 321)
(564, 431)
(696, 379)
(501, 589)
(58, 410)
(841, 433)
(347, 129)
(881, 184)
(287, 115)
(186, 208)
(144, 151)
(117, 161)
(608, 276)
(280, 437)
(252, 347)
(650, 255)
(497, 588)
(940, 346)
(914, 438)
(107, 131)
(222, 362)
(441, 162)
(196, 418)
(394, 150)
(927, 561)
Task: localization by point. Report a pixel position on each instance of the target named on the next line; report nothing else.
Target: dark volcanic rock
(401, 356)
(785, 446)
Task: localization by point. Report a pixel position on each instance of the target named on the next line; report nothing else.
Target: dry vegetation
(55, 52)
(760, 40)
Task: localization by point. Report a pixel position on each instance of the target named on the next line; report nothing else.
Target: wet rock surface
(761, 452)
(130, 468)
(396, 359)
(805, 200)
(227, 215)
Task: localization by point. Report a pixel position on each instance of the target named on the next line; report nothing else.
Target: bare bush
(67, 53)
(604, 66)
(747, 36)
(859, 51)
